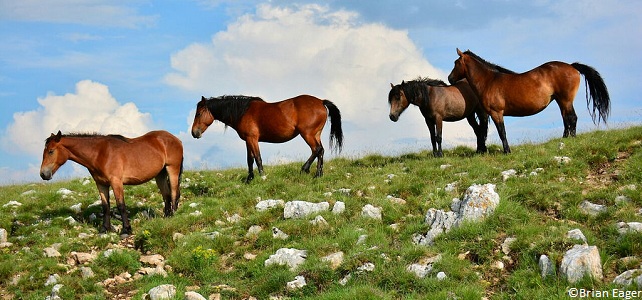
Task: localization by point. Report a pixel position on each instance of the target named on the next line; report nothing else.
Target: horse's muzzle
(394, 118)
(196, 133)
(45, 174)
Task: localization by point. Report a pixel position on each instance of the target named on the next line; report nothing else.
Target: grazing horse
(439, 102)
(506, 93)
(258, 121)
(114, 161)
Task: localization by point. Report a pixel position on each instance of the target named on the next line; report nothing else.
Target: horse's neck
(417, 98)
(81, 150)
(478, 75)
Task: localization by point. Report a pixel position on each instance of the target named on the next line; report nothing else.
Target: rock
(287, 256)
(196, 213)
(345, 279)
(51, 252)
(367, 267)
(193, 205)
(498, 264)
(562, 160)
(576, 234)
(86, 272)
(54, 292)
(52, 279)
(319, 221)
(27, 193)
(372, 212)
(254, 231)
(269, 204)
(235, 218)
(64, 192)
(153, 260)
(338, 208)
(212, 235)
(545, 266)
(419, 270)
(628, 277)
(278, 234)
(444, 167)
(77, 208)
(3, 235)
(441, 276)
(507, 243)
(451, 187)
(194, 296)
(579, 261)
(177, 236)
(362, 239)
(71, 220)
(158, 270)
(508, 174)
(301, 209)
(344, 191)
(12, 203)
(335, 259)
(164, 291)
(622, 200)
(396, 200)
(591, 208)
(81, 258)
(630, 227)
(297, 283)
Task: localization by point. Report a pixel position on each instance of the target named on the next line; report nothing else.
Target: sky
(129, 67)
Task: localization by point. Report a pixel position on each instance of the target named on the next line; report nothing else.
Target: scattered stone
(345, 279)
(287, 256)
(498, 264)
(396, 200)
(362, 239)
(319, 221)
(164, 291)
(153, 260)
(71, 220)
(628, 277)
(344, 191)
(278, 234)
(630, 227)
(622, 200)
(372, 212)
(54, 292)
(367, 267)
(420, 270)
(64, 192)
(51, 252)
(3, 235)
(335, 259)
(591, 208)
(297, 283)
(52, 279)
(235, 218)
(177, 236)
(12, 203)
(77, 208)
(579, 261)
(86, 272)
(80, 258)
(444, 167)
(338, 208)
(158, 270)
(249, 256)
(441, 276)
(545, 266)
(562, 159)
(451, 187)
(507, 243)
(196, 213)
(193, 205)
(27, 193)
(212, 235)
(194, 296)
(269, 204)
(508, 174)
(254, 231)
(301, 209)
(576, 234)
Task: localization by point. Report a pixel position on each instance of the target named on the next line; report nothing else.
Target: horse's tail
(596, 90)
(336, 133)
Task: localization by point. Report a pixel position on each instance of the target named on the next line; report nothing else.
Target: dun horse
(114, 161)
(439, 102)
(258, 121)
(506, 93)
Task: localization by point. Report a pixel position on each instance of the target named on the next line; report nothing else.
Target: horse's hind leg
(569, 117)
(317, 152)
(253, 154)
(119, 194)
(174, 175)
(435, 139)
(103, 190)
(480, 129)
(162, 181)
(498, 119)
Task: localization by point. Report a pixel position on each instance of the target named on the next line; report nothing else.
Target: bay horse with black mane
(505, 93)
(258, 121)
(114, 161)
(440, 102)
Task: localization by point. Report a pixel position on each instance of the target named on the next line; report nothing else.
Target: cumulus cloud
(90, 109)
(280, 52)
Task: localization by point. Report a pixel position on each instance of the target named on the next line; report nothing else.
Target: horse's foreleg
(480, 129)
(119, 194)
(433, 137)
(498, 119)
(103, 190)
(438, 132)
(253, 155)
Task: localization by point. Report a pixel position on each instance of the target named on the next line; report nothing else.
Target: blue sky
(128, 67)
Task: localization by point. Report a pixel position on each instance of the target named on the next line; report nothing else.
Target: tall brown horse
(506, 93)
(258, 121)
(440, 102)
(114, 161)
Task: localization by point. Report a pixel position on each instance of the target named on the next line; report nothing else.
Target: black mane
(229, 109)
(489, 64)
(416, 91)
(89, 135)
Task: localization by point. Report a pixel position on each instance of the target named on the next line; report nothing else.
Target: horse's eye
(51, 152)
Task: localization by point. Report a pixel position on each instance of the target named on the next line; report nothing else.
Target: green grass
(538, 210)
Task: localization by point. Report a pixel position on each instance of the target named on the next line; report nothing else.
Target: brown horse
(506, 93)
(440, 102)
(114, 161)
(258, 121)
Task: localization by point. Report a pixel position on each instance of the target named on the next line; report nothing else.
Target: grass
(537, 210)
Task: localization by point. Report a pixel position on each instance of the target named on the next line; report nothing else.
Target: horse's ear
(57, 136)
(403, 82)
(202, 98)
(392, 86)
(459, 52)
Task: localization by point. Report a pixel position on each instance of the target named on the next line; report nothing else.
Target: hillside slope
(218, 242)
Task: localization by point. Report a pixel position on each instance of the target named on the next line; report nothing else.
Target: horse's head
(54, 156)
(202, 119)
(459, 70)
(397, 100)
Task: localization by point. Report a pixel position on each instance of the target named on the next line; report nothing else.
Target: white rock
(444, 167)
(338, 208)
(344, 191)
(367, 267)
(52, 279)
(27, 193)
(194, 296)
(628, 277)
(3, 235)
(508, 174)
(441, 276)
(319, 221)
(630, 227)
(269, 204)
(579, 261)
(622, 200)
(254, 230)
(86, 272)
(77, 208)
(345, 279)
(451, 187)
(301, 209)
(591, 208)
(12, 203)
(335, 259)
(64, 192)
(576, 234)
(278, 234)
(419, 270)
(372, 212)
(507, 243)
(164, 291)
(71, 220)
(545, 266)
(297, 283)
(193, 205)
(287, 256)
(235, 218)
(196, 213)
(51, 252)
(562, 159)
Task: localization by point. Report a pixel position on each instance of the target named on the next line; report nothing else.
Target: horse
(505, 93)
(440, 102)
(114, 161)
(258, 121)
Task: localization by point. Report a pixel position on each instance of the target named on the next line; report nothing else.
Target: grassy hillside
(537, 210)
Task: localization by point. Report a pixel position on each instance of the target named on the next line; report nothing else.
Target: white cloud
(90, 109)
(280, 52)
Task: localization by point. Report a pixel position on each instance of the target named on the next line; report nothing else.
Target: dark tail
(596, 90)
(336, 133)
